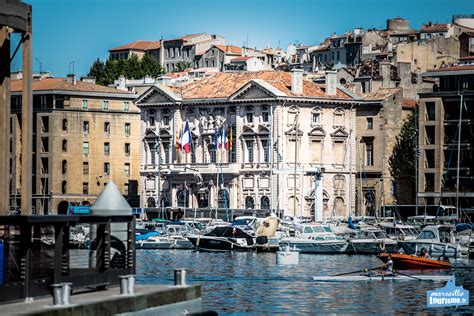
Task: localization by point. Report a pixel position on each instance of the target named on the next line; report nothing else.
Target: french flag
(224, 141)
(185, 139)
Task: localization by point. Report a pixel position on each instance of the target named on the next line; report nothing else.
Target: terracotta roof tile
(229, 49)
(453, 68)
(61, 84)
(381, 94)
(223, 85)
(428, 28)
(138, 45)
(409, 103)
(242, 58)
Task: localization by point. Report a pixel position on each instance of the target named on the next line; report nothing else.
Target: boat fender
(382, 246)
(197, 241)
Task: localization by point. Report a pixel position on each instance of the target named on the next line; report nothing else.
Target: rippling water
(251, 283)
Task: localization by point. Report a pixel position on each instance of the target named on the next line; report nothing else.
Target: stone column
(4, 120)
(318, 203)
(27, 125)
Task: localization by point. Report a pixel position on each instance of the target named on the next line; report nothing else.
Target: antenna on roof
(72, 62)
(40, 65)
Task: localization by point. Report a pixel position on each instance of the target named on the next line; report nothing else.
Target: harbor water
(253, 284)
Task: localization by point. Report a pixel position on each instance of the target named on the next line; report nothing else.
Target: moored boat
(407, 262)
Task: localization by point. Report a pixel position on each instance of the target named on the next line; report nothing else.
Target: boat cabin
(398, 231)
(438, 233)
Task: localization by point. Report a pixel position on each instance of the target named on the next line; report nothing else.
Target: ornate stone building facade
(282, 129)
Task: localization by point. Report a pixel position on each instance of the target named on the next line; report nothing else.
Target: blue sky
(82, 30)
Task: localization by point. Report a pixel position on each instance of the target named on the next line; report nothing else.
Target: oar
(398, 272)
(357, 271)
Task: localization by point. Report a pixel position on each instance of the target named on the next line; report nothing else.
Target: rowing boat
(407, 262)
(382, 277)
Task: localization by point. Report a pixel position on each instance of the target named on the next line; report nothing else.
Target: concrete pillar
(27, 125)
(4, 120)
(318, 191)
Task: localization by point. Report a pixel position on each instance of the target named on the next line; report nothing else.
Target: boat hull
(381, 277)
(407, 262)
(435, 250)
(371, 247)
(313, 246)
(218, 244)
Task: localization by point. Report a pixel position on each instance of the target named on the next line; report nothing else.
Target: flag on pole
(224, 140)
(230, 139)
(185, 139)
(216, 138)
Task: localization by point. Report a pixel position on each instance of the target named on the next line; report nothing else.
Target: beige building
(84, 135)
(284, 132)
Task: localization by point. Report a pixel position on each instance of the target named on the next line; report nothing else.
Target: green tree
(183, 65)
(151, 66)
(402, 162)
(98, 71)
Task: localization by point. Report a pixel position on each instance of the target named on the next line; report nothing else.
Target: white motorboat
(371, 240)
(438, 240)
(315, 238)
(399, 231)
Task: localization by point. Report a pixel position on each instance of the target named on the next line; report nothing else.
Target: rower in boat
(387, 267)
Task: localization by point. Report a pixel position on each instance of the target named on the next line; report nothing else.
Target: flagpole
(226, 196)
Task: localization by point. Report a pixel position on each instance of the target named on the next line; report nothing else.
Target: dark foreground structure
(40, 257)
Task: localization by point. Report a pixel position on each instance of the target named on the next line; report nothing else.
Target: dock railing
(39, 251)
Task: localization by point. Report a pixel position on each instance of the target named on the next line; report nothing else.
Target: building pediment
(157, 94)
(256, 89)
(292, 131)
(317, 132)
(340, 133)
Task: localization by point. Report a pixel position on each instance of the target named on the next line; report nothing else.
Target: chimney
(297, 81)
(162, 53)
(331, 82)
(385, 74)
(121, 83)
(88, 79)
(71, 78)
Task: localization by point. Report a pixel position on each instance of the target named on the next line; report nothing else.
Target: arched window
(183, 198)
(342, 81)
(64, 166)
(249, 203)
(151, 202)
(339, 207)
(165, 202)
(64, 146)
(265, 203)
(223, 199)
(64, 187)
(64, 126)
(339, 182)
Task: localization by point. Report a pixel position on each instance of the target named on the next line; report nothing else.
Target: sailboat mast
(296, 160)
(459, 157)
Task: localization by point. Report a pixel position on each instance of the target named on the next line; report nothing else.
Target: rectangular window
(85, 127)
(125, 189)
(315, 118)
(127, 129)
(127, 169)
(212, 154)
(265, 116)
(430, 111)
(126, 106)
(166, 120)
(105, 105)
(166, 153)
(370, 123)
(85, 168)
(127, 149)
(369, 153)
(249, 144)
(107, 149)
(85, 188)
(265, 150)
(85, 104)
(249, 117)
(152, 121)
(106, 168)
(85, 148)
(107, 128)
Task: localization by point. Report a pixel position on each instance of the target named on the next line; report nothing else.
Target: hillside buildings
(84, 135)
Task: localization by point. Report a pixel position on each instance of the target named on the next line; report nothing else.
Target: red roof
(138, 45)
(467, 58)
(453, 68)
(409, 103)
(432, 28)
(242, 58)
(229, 49)
(224, 84)
(62, 84)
